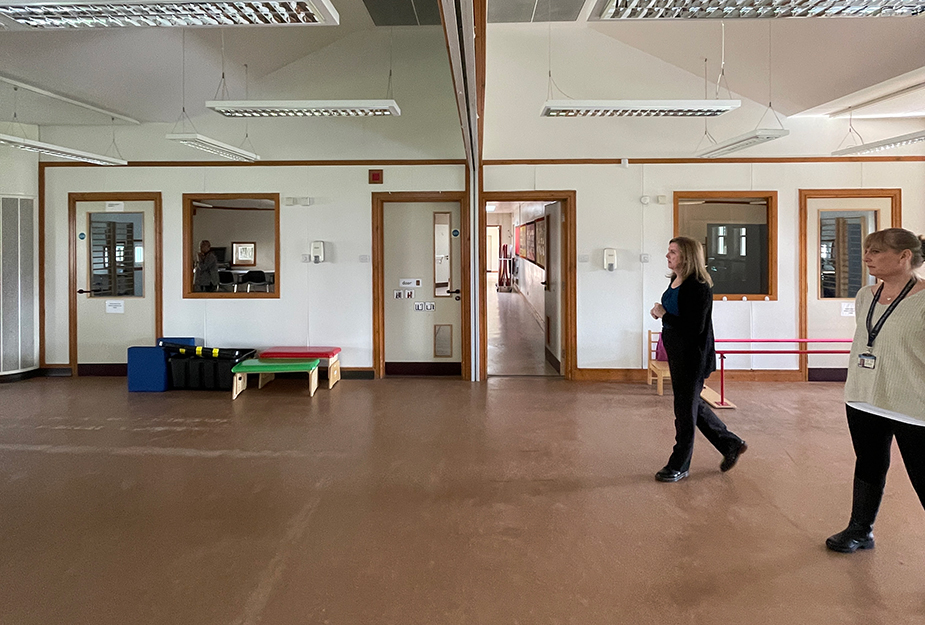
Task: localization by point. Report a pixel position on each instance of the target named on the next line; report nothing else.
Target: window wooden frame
(188, 199)
(771, 198)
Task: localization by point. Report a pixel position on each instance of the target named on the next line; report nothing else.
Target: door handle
(456, 292)
(543, 283)
(82, 292)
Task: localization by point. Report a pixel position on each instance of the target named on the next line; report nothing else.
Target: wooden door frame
(568, 336)
(117, 196)
(379, 200)
(896, 214)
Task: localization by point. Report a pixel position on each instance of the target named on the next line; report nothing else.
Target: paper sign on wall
(409, 282)
(115, 306)
(847, 309)
(115, 207)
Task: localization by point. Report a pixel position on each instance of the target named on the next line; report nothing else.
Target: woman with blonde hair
(686, 311)
(884, 394)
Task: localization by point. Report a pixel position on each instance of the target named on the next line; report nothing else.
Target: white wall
(325, 304)
(19, 170)
(612, 308)
(530, 277)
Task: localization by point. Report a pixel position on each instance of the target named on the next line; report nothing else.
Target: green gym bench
(267, 370)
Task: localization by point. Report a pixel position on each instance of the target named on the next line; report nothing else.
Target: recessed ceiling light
(208, 144)
(638, 108)
(731, 9)
(886, 144)
(59, 150)
(97, 14)
(305, 108)
(749, 139)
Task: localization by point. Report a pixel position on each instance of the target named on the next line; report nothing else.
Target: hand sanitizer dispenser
(317, 252)
(610, 259)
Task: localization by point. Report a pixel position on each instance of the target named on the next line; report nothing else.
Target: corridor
(515, 337)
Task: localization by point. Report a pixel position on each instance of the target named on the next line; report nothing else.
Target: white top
(895, 388)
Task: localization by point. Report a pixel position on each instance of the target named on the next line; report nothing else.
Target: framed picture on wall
(522, 244)
(541, 242)
(516, 251)
(244, 254)
(531, 241)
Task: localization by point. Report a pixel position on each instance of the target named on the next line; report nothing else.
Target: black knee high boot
(859, 533)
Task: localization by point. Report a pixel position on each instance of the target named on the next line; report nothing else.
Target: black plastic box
(203, 368)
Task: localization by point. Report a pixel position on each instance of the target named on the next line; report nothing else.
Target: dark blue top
(670, 302)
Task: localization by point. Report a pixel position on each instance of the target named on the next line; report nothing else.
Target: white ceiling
(136, 72)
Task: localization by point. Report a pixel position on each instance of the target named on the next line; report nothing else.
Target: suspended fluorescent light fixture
(305, 108)
(886, 144)
(731, 9)
(59, 150)
(100, 14)
(208, 144)
(749, 139)
(638, 108)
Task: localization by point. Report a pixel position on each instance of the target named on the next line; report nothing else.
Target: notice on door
(115, 306)
(409, 282)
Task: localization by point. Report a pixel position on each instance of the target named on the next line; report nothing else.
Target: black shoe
(850, 540)
(670, 475)
(730, 459)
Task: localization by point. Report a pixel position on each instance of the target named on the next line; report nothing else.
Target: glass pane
(734, 232)
(116, 269)
(442, 261)
(841, 236)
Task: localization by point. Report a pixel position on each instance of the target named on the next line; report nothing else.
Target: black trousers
(691, 411)
(872, 437)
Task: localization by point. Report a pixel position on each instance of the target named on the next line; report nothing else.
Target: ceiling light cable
(770, 92)
(388, 91)
(221, 93)
(852, 133)
(706, 130)
(721, 79)
(114, 146)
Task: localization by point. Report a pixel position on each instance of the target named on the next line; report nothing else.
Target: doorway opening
(528, 292)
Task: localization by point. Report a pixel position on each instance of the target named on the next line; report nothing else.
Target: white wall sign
(115, 207)
(115, 306)
(409, 282)
(847, 309)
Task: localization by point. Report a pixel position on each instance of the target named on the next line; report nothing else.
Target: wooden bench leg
(660, 385)
(238, 385)
(265, 378)
(333, 371)
(313, 382)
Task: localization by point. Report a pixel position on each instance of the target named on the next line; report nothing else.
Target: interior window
(739, 233)
(231, 245)
(842, 272)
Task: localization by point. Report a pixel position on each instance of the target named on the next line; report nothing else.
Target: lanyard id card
(867, 361)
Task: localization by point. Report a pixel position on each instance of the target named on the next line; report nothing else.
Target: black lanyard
(873, 331)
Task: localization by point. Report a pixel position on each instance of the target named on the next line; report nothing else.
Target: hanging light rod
(744, 9)
(305, 108)
(749, 139)
(101, 14)
(208, 144)
(638, 108)
(59, 150)
(65, 99)
(886, 144)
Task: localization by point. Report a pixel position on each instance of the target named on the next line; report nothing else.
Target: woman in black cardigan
(686, 311)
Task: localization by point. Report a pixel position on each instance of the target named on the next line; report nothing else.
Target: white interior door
(115, 271)
(553, 293)
(422, 273)
(835, 229)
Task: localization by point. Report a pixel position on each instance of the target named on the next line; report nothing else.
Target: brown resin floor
(417, 501)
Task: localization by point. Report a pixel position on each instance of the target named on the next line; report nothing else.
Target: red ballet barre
(722, 403)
